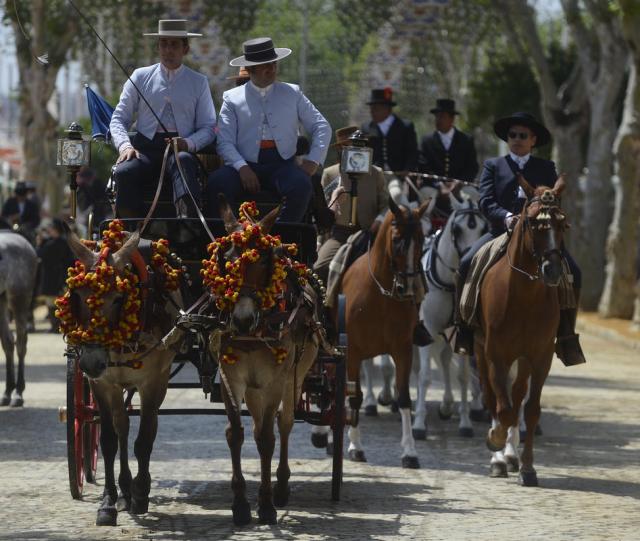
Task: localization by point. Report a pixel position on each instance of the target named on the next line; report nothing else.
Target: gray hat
(259, 51)
(173, 28)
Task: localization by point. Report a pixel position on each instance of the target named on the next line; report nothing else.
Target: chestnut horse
(263, 367)
(382, 289)
(519, 315)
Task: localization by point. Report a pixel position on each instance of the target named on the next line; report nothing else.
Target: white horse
(441, 261)
(18, 263)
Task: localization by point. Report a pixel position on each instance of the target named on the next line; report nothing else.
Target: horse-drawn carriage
(199, 254)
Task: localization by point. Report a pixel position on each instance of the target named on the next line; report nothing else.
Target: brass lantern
(73, 153)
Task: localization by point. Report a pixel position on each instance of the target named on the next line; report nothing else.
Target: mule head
(544, 223)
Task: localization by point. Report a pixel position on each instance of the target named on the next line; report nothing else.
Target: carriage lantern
(73, 153)
(356, 160)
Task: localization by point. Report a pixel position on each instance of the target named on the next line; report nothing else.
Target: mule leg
(283, 473)
(419, 428)
(235, 438)
(465, 428)
(107, 512)
(403, 361)
(366, 374)
(8, 344)
(20, 306)
(121, 422)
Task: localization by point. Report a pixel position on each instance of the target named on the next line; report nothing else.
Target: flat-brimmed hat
(445, 105)
(20, 188)
(343, 134)
(173, 28)
(242, 74)
(501, 127)
(259, 51)
(382, 96)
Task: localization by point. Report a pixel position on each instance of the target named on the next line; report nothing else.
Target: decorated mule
(519, 312)
(464, 226)
(269, 340)
(382, 289)
(114, 314)
(18, 263)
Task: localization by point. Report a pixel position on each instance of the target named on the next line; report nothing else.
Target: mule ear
(86, 256)
(123, 255)
(230, 221)
(267, 222)
(528, 189)
(560, 185)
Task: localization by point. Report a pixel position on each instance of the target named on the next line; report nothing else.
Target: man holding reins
(181, 99)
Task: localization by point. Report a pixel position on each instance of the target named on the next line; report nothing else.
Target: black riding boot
(567, 345)
(464, 333)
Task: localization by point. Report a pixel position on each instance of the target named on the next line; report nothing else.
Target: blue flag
(100, 112)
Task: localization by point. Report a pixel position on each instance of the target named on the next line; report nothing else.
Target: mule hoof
(139, 506)
(538, 431)
(477, 416)
(444, 416)
(123, 503)
(494, 448)
(410, 462)
(319, 439)
(241, 513)
(357, 455)
(330, 448)
(498, 469)
(528, 479)
(16, 402)
(419, 433)
(513, 464)
(465, 432)
(281, 496)
(107, 516)
(267, 514)
(371, 410)
(394, 406)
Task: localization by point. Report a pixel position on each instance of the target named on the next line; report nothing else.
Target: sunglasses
(518, 134)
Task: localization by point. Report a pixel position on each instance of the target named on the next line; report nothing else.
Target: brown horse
(113, 371)
(519, 312)
(263, 367)
(382, 289)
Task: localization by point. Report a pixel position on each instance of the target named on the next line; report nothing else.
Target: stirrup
(569, 351)
(464, 340)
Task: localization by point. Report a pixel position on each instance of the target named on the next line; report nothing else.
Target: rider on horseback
(501, 201)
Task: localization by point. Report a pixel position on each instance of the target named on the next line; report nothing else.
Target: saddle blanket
(338, 266)
(486, 257)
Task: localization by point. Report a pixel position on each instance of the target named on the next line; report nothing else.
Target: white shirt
(265, 131)
(447, 138)
(521, 161)
(385, 125)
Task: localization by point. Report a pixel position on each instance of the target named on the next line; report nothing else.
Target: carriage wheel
(90, 436)
(338, 426)
(74, 427)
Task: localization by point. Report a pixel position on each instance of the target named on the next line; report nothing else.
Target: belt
(267, 143)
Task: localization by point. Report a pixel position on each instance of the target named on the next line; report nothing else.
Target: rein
(392, 294)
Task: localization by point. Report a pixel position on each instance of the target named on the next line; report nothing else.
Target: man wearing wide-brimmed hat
(448, 152)
(502, 200)
(258, 135)
(19, 210)
(181, 99)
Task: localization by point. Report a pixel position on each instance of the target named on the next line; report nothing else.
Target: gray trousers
(325, 255)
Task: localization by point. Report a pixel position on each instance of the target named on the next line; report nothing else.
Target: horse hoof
(357, 455)
(16, 402)
(538, 431)
(107, 516)
(267, 514)
(139, 506)
(5, 400)
(241, 513)
(513, 464)
(498, 469)
(123, 503)
(384, 400)
(281, 496)
(330, 448)
(477, 416)
(394, 406)
(319, 439)
(371, 410)
(494, 448)
(410, 462)
(444, 416)
(528, 479)
(465, 432)
(419, 433)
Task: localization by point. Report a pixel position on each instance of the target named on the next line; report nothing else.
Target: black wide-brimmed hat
(259, 51)
(20, 188)
(173, 28)
(445, 105)
(382, 96)
(501, 127)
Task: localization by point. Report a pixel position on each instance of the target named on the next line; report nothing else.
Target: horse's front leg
(366, 374)
(386, 398)
(235, 438)
(21, 310)
(465, 428)
(498, 374)
(419, 428)
(403, 359)
(8, 344)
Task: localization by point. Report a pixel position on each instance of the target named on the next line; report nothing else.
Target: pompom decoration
(104, 279)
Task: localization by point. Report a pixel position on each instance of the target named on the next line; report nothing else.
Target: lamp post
(355, 162)
(73, 153)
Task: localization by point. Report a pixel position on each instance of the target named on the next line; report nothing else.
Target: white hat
(173, 28)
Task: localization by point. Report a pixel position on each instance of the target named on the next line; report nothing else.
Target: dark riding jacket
(458, 162)
(398, 149)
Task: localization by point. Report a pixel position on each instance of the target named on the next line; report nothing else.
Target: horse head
(404, 241)
(254, 262)
(543, 225)
(102, 292)
(466, 223)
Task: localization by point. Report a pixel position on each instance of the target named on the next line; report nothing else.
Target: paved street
(588, 462)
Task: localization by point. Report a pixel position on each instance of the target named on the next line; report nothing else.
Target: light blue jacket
(285, 107)
(190, 99)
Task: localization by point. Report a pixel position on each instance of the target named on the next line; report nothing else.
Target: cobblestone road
(588, 461)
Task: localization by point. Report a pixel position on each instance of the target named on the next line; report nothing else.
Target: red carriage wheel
(90, 435)
(337, 424)
(75, 383)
